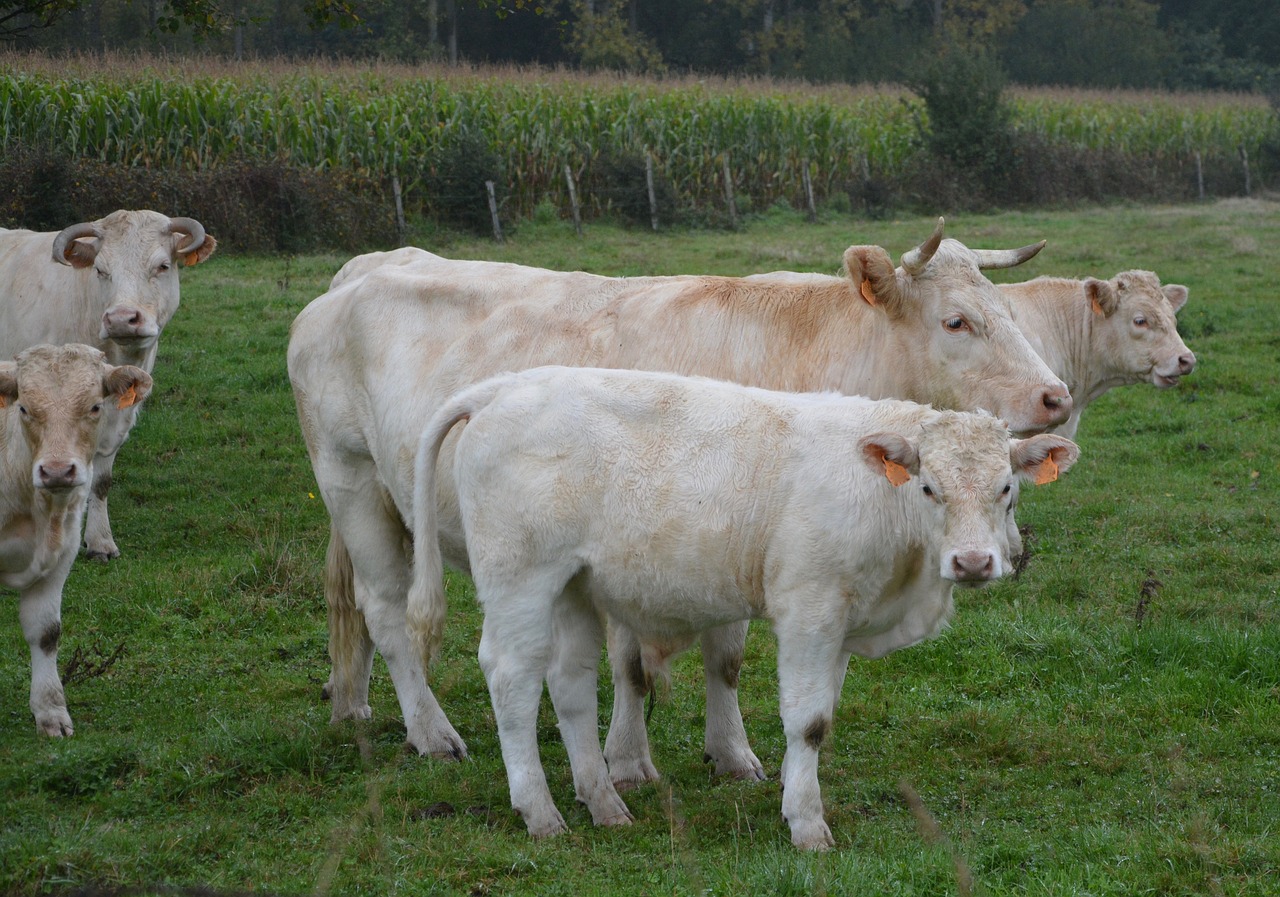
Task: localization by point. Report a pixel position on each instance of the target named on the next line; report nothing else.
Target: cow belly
(670, 607)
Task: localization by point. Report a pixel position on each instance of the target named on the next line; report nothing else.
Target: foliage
(968, 123)
(421, 123)
(1075, 731)
(252, 205)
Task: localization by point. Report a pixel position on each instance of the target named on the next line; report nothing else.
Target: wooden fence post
(728, 192)
(493, 211)
(808, 190)
(1244, 161)
(653, 198)
(1199, 176)
(395, 191)
(573, 199)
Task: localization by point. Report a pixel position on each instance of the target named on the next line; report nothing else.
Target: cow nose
(121, 322)
(57, 474)
(973, 566)
(1057, 400)
(1186, 363)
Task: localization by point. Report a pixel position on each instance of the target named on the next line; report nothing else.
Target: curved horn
(74, 232)
(191, 227)
(914, 261)
(1006, 258)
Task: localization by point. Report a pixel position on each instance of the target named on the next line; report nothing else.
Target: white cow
(115, 287)
(675, 505)
(398, 333)
(54, 403)
(1100, 334)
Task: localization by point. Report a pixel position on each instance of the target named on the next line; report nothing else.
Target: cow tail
(348, 634)
(427, 606)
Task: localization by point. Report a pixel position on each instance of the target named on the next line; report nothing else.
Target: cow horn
(188, 226)
(1006, 258)
(74, 232)
(914, 261)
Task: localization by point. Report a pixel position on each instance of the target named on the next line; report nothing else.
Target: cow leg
(572, 683)
(40, 612)
(350, 646)
(98, 542)
(626, 747)
(381, 575)
(515, 652)
(807, 661)
(726, 736)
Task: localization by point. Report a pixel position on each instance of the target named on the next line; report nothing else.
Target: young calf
(675, 505)
(53, 405)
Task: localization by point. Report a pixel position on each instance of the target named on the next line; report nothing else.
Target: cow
(1099, 334)
(54, 403)
(115, 287)
(674, 505)
(398, 333)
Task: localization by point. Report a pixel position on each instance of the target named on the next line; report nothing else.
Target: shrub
(455, 184)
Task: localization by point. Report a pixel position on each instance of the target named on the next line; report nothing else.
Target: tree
(19, 18)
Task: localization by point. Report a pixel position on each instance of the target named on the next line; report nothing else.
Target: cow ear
(202, 252)
(1042, 459)
(1102, 296)
(81, 253)
(129, 384)
(8, 383)
(890, 456)
(1176, 293)
(872, 273)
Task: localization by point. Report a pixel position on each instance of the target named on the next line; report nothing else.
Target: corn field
(387, 123)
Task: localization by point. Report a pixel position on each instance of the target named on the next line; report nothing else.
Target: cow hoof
(547, 827)
(742, 769)
(812, 835)
(362, 711)
(55, 725)
(631, 774)
(448, 747)
(101, 556)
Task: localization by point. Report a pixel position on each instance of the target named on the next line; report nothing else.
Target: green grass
(1066, 736)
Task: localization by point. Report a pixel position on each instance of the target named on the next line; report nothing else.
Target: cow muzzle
(126, 324)
(1183, 364)
(59, 475)
(971, 567)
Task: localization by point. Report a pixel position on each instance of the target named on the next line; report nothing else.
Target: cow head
(956, 340)
(59, 394)
(968, 469)
(133, 259)
(1134, 317)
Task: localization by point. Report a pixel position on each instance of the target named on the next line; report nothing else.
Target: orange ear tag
(1047, 472)
(867, 293)
(1097, 309)
(128, 398)
(3, 402)
(895, 473)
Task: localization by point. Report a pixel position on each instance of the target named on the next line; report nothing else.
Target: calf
(675, 505)
(54, 402)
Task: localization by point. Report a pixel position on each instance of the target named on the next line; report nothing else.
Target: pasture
(1108, 723)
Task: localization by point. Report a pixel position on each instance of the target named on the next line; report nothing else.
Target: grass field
(1107, 724)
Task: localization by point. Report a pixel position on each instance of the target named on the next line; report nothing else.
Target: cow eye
(1140, 321)
(22, 409)
(101, 272)
(927, 491)
(956, 324)
(163, 267)
(96, 408)
(1005, 490)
